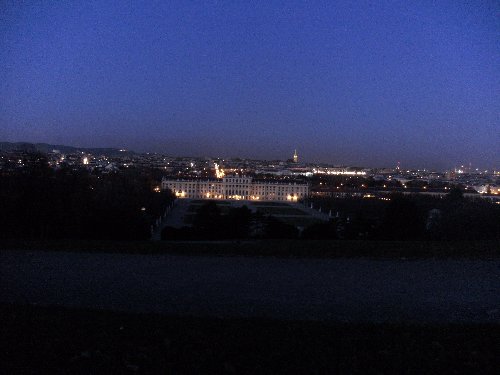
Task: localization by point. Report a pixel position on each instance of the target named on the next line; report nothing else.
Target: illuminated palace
(237, 187)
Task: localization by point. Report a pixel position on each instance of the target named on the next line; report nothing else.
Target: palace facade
(237, 187)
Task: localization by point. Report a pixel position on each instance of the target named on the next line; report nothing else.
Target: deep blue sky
(362, 82)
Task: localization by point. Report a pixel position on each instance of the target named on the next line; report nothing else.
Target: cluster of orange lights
(213, 196)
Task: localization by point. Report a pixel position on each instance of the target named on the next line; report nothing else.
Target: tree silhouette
(402, 221)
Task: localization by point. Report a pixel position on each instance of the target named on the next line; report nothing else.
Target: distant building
(487, 189)
(295, 157)
(237, 187)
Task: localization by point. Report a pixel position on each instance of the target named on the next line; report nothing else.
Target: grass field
(188, 218)
(58, 340)
(267, 208)
(269, 204)
(195, 207)
(204, 201)
(276, 248)
(280, 211)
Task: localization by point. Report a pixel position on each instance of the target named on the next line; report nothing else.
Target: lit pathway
(341, 290)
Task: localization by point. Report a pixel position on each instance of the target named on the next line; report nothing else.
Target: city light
(219, 173)
(338, 172)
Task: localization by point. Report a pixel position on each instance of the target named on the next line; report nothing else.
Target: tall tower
(295, 157)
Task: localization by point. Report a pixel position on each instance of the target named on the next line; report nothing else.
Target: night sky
(359, 83)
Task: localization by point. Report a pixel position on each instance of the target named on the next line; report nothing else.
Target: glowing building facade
(237, 187)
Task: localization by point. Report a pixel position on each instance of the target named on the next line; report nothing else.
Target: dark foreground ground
(343, 290)
(273, 248)
(57, 340)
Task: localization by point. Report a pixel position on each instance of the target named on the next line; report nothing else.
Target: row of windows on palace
(236, 188)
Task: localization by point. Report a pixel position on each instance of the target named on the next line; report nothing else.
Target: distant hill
(45, 147)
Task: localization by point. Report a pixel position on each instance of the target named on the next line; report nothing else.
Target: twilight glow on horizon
(347, 82)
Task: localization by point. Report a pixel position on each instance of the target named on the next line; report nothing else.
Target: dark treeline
(42, 203)
(414, 217)
(400, 218)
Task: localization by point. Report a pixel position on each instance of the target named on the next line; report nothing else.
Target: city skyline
(365, 84)
(292, 159)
